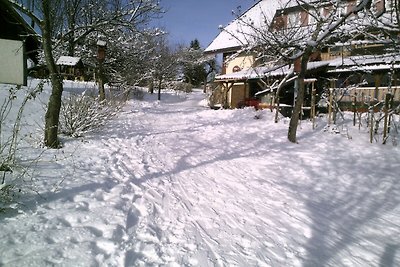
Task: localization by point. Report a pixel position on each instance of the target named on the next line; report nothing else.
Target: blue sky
(186, 20)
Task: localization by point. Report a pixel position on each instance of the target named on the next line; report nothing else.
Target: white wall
(12, 62)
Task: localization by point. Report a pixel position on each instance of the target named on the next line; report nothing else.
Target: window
(294, 19)
(326, 11)
(280, 22)
(311, 16)
(351, 5)
(304, 18)
(379, 7)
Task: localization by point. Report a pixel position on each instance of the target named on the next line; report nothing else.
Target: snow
(349, 64)
(174, 183)
(257, 72)
(365, 63)
(68, 61)
(240, 31)
(101, 43)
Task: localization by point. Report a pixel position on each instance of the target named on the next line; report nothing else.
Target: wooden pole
(354, 108)
(101, 82)
(101, 55)
(272, 102)
(330, 106)
(386, 110)
(391, 104)
(313, 96)
(371, 131)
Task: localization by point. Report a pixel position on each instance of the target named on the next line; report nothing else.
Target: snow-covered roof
(239, 31)
(354, 63)
(254, 73)
(68, 61)
(260, 72)
(365, 63)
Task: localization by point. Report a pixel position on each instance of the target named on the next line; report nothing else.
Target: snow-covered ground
(174, 183)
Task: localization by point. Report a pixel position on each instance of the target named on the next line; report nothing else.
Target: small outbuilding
(71, 68)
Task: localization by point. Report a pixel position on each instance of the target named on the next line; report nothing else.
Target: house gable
(237, 33)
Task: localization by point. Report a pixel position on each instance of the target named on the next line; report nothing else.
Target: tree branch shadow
(346, 203)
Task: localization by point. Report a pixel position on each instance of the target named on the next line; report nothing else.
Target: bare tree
(129, 59)
(164, 63)
(46, 22)
(84, 18)
(292, 38)
(88, 19)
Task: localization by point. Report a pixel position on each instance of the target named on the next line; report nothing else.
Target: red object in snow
(249, 102)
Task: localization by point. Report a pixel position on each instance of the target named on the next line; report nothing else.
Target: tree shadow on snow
(347, 203)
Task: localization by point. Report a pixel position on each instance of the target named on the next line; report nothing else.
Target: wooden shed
(71, 68)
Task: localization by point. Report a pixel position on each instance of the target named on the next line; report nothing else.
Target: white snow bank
(173, 183)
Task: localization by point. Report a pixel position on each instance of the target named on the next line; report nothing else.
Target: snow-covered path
(173, 183)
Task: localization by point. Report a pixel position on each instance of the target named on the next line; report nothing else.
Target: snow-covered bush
(81, 114)
(180, 86)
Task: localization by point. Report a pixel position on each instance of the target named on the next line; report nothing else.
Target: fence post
(330, 106)
(388, 96)
(354, 108)
(371, 131)
(313, 96)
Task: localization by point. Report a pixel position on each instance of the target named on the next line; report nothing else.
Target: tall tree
(85, 18)
(164, 63)
(193, 67)
(47, 21)
(54, 105)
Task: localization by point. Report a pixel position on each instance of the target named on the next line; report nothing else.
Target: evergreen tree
(194, 68)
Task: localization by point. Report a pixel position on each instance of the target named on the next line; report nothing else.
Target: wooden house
(71, 68)
(229, 43)
(359, 67)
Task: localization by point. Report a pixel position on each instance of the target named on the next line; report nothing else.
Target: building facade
(357, 67)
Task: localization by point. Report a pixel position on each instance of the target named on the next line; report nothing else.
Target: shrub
(81, 114)
(180, 86)
(11, 111)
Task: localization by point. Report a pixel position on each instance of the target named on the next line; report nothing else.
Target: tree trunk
(102, 93)
(151, 87)
(54, 104)
(294, 120)
(159, 89)
(71, 41)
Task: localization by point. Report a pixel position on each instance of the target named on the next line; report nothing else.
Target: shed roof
(68, 61)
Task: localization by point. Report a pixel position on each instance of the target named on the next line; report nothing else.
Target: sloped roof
(68, 61)
(261, 72)
(349, 64)
(365, 63)
(239, 32)
(14, 27)
(253, 73)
